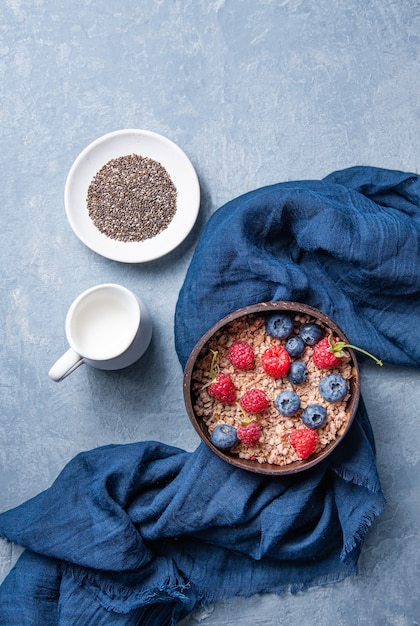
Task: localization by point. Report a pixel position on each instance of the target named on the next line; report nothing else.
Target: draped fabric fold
(354, 256)
(143, 533)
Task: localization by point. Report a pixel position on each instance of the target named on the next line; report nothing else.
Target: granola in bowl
(254, 374)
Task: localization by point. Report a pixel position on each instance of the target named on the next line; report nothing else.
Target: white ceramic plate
(122, 143)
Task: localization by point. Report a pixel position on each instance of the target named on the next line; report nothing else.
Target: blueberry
(294, 346)
(297, 372)
(287, 402)
(311, 333)
(333, 387)
(279, 325)
(314, 416)
(224, 437)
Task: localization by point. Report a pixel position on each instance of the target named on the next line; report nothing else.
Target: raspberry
(304, 441)
(249, 433)
(329, 352)
(275, 361)
(222, 389)
(323, 355)
(241, 355)
(254, 401)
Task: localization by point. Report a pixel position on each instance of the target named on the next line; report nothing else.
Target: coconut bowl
(220, 336)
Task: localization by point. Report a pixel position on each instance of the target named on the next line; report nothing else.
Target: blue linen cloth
(144, 533)
(347, 245)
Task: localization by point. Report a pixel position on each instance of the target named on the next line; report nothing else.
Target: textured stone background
(255, 92)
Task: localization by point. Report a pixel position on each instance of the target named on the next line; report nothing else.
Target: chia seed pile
(132, 198)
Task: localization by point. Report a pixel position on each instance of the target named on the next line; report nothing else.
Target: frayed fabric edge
(208, 596)
(357, 479)
(187, 598)
(366, 521)
(371, 513)
(123, 601)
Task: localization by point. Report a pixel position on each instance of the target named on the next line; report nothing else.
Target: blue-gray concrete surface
(255, 92)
